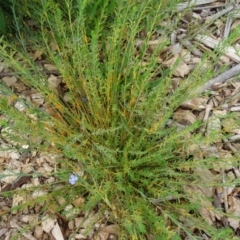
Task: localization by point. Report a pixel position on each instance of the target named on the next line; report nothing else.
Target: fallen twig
(227, 27)
(230, 145)
(234, 138)
(10, 74)
(235, 109)
(224, 191)
(184, 5)
(221, 13)
(219, 79)
(207, 112)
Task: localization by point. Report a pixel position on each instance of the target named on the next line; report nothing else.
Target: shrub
(113, 134)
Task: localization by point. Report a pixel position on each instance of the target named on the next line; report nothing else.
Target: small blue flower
(73, 179)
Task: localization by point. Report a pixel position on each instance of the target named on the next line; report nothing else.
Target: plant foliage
(115, 126)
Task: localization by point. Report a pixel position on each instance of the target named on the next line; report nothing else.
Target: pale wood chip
(80, 236)
(57, 233)
(37, 98)
(38, 232)
(54, 81)
(9, 176)
(234, 208)
(3, 231)
(48, 223)
(181, 70)
(213, 43)
(195, 104)
(27, 235)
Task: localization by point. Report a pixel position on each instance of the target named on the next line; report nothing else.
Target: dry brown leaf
(184, 117)
(209, 151)
(101, 236)
(176, 49)
(235, 24)
(111, 229)
(185, 55)
(206, 210)
(54, 81)
(182, 70)
(50, 67)
(234, 208)
(79, 201)
(20, 87)
(54, 46)
(38, 55)
(9, 81)
(206, 180)
(105, 232)
(170, 62)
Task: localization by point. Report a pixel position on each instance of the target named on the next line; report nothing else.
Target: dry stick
(236, 172)
(230, 145)
(221, 13)
(224, 191)
(234, 138)
(207, 112)
(223, 77)
(10, 74)
(208, 109)
(184, 5)
(235, 109)
(227, 28)
(219, 79)
(209, 7)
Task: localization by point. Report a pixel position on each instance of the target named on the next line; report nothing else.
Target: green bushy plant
(2, 22)
(114, 128)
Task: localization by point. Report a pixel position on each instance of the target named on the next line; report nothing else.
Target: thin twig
(219, 79)
(159, 200)
(224, 191)
(182, 6)
(236, 172)
(235, 109)
(227, 27)
(234, 138)
(221, 13)
(209, 7)
(10, 74)
(230, 145)
(207, 112)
